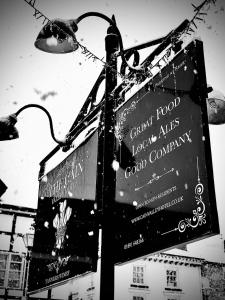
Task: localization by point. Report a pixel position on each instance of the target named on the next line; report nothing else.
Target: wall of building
(213, 275)
(187, 275)
(144, 279)
(195, 278)
(15, 222)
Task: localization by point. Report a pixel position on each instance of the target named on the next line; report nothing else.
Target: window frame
(173, 284)
(138, 297)
(138, 274)
(9, 261)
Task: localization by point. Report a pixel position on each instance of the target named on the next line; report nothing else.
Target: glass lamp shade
(7, 129)
(3, 187)
(57, 37)
(216, 108)
(28, 240)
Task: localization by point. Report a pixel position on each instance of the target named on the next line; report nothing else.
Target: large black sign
(66, 234)
(165, 189)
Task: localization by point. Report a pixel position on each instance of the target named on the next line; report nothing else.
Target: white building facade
(157, 277)
(163, 276)
(15, 222)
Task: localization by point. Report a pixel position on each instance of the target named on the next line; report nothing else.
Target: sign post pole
(106, 176)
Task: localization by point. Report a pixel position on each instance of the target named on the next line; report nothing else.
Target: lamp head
(58, 36)
(28, 239)
(7, 129)
(216, 107)
(3, 188)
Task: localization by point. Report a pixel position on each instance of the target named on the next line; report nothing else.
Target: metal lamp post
(28, 239)
(58, 36)
(106, 180)
(8, 131)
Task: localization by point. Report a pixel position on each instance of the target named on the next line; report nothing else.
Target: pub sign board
(164, 187)
(66, 234)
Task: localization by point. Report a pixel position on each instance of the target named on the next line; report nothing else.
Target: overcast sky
(61, 83)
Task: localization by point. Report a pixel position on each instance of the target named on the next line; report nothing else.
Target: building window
(74, 296)
(171, 278)
(11, 270)
(138, 275)
(138, 298)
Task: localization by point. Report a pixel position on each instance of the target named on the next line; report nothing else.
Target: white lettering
(159, 153)
(162, 111)
(135, 169)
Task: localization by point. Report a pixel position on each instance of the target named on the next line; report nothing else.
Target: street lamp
(3, 188)
(216, 107)
(58, 36)
(8, 131)
(28, 239)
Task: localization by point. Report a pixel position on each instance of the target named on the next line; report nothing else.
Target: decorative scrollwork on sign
(56, 265)
(60, 222)
(199, 215)
(119, 130)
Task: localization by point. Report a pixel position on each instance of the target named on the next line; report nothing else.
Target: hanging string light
(88, 54)
(150, 70)
(198, 16)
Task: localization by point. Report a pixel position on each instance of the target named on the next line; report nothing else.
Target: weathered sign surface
(66, 236)
(165, 189)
